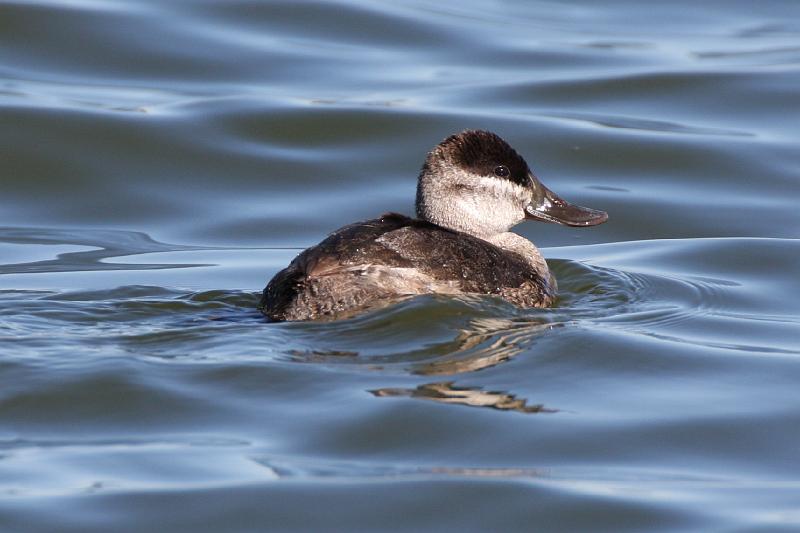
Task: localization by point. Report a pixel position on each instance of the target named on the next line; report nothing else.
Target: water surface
(160, 161)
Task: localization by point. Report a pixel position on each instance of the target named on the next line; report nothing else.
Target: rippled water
(160, 161)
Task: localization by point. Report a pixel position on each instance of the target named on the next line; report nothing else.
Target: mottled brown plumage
(473, 188)
(450, 261)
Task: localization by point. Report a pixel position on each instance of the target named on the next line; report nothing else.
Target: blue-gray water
(161, 160)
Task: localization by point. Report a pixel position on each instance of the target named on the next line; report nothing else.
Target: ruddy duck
(473, 188)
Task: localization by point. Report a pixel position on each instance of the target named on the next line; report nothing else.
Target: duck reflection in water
(448, 392)
(480, 344)
(491, 341)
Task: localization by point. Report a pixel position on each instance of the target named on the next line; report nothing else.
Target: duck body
(394, 256)
(472, 189)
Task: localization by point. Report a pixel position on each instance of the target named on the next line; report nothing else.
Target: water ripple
(134, 390)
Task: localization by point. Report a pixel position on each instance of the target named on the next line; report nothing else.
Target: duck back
(379, 261)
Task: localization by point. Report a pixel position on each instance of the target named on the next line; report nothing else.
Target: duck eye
(501, 171)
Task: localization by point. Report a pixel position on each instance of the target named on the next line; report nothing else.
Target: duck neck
(521, 246)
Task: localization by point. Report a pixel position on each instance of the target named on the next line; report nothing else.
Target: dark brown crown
(481, 152)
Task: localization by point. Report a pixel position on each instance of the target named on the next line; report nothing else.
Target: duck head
(476, 183)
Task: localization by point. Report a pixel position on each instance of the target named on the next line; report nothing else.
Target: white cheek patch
(478, 205)
(501, 188)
